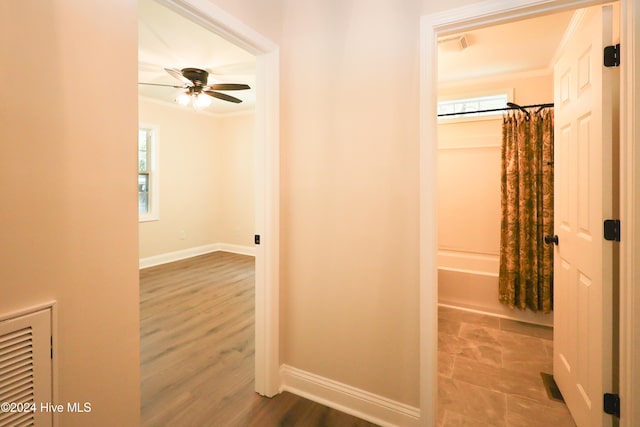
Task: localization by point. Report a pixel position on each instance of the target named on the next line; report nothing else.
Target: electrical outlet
(182, 235)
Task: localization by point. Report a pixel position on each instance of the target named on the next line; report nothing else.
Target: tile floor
(490, 373)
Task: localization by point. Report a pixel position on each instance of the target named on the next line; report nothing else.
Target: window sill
(148, 218)
(462, 119)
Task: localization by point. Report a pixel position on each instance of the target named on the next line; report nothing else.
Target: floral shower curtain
(526, 262)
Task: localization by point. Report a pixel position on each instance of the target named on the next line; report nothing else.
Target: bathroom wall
(469, 157)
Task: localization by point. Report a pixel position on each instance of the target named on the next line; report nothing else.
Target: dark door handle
(551, 239)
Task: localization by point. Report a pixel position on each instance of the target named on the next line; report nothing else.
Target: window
(147, 175)
(478, 103)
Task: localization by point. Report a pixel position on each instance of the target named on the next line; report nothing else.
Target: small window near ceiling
(147, 175)
(473, 108)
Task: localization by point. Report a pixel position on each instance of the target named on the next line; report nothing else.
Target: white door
(583, 185)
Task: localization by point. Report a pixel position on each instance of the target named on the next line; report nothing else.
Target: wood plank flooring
(197, 348)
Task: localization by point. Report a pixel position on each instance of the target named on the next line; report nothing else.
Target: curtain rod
(510, 106)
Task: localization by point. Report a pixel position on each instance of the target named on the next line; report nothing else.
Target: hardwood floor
(197, 346)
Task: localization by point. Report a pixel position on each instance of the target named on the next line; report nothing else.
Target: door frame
(267, 181)
(492, 12)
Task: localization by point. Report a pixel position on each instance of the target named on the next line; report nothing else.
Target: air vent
(16, 375)
(454, 43)
(25, 369)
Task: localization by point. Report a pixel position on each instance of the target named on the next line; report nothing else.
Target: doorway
(443, 24)
(266, 158)
(486, 349)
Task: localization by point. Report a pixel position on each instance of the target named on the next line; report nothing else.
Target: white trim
(236, 249)
(452, 120)
(459, 253)
(267, 154)
(267, 193)
(629, 215)
(466, 260)
(181, 254)
(154, 172)
(470, 147)
(467, 271)
(220, 22)
(168, 257)
(489, 313)
(28, 310)
(494, 12)
(351, 400)
(462, 96)
(500, 11)
(428, 233)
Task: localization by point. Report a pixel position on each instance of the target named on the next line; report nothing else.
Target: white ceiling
(168, 40)
(516, 47)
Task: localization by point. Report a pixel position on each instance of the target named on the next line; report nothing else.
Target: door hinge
(612, 56)
(51, 348)
(256, 239)
(612, 230)
(612, 404)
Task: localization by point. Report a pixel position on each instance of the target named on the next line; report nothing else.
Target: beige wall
(206, 179)
(349, 183)
(469, 187)
(68, 210)
(469, 162)
(235, 164)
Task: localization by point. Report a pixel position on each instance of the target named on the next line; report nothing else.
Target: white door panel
(583, 187)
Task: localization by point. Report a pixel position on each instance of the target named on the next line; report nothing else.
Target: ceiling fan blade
(158, 84)
(178, 75)
(222, 96)
(229, 86)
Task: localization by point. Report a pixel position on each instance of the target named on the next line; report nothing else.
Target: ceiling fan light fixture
(201, 101)
(196, 91)
(183, 99)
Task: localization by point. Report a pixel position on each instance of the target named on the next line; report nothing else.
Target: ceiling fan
(197, 90)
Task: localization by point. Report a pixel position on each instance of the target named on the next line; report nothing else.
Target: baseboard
(530, 320)
(192, 252)
(359, 403)
(236, 249)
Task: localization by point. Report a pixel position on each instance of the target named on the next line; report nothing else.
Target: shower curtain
(526, 262)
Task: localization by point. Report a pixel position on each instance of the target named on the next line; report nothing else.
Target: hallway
(197, 347)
